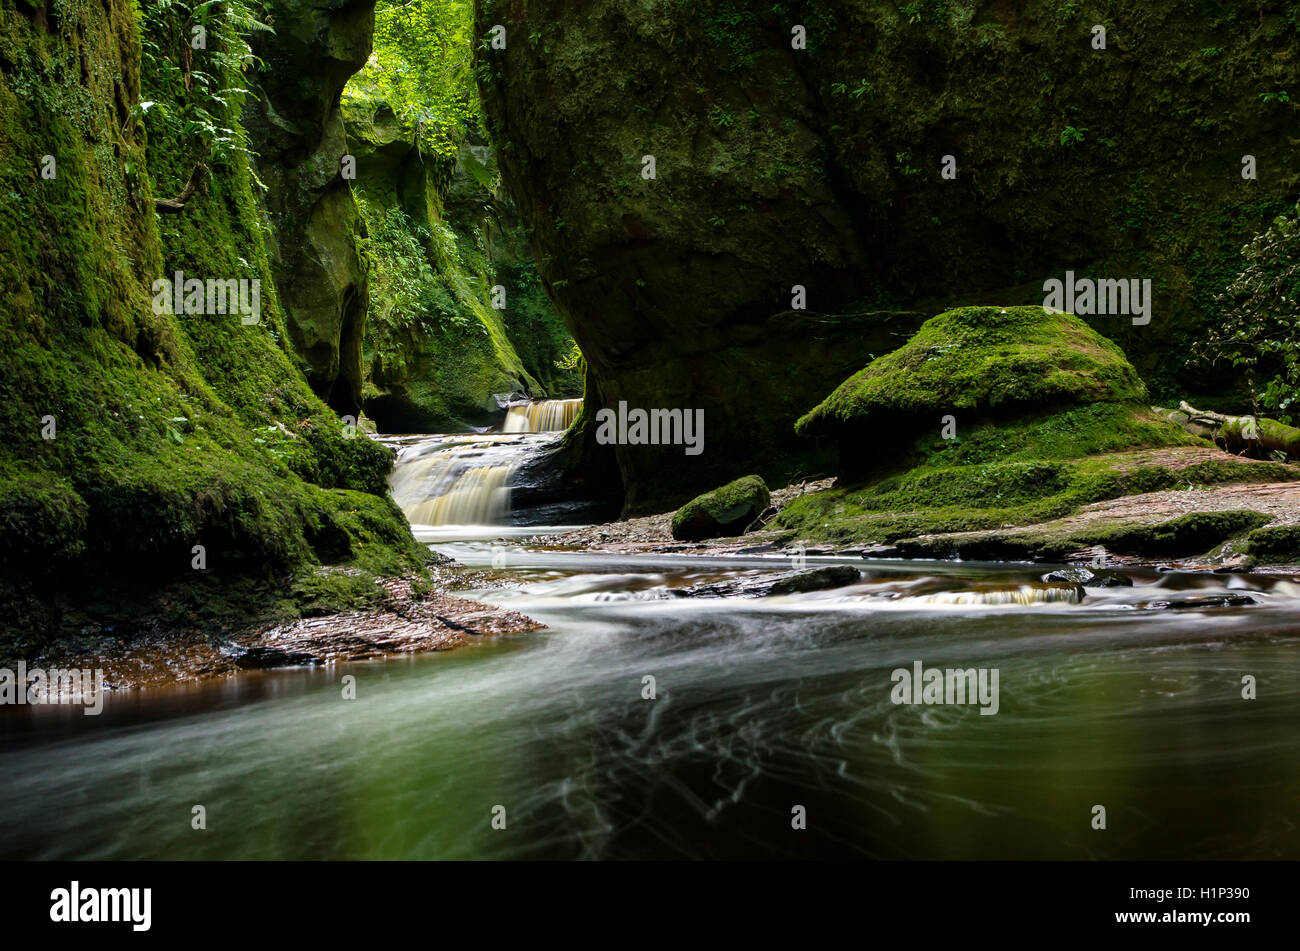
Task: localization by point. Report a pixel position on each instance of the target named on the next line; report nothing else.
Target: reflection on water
(762, 705)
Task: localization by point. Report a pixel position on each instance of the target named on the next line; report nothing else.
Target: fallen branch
(1236, 433)
(175, 206)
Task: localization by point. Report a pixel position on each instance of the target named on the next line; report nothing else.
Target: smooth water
(762, 705)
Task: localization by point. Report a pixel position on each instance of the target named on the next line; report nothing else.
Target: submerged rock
(790, 582)
(818, 579)
(1090, 577)
(1206, 601)
(728, 510)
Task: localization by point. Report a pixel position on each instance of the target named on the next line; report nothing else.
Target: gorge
(361, 331)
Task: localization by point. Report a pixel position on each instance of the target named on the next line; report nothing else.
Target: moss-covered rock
(296, 129)
(1188, 535)
(1001, 474)
(985, 361)
(1276, 544)
(727, 510)
(177, 464)
(823, 168)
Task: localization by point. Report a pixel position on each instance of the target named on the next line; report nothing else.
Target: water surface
(761, 706)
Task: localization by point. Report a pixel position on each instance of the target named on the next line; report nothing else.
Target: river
(764, 710)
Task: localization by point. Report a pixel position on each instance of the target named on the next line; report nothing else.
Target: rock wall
(822, 167)
(297, 131)
(441, 235)
(159, 469)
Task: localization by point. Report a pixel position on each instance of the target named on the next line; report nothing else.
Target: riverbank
(409, 622)
(1236, 526)
(1197, 528)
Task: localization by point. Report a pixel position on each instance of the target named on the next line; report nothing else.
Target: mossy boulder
(981, 361)
(728, 510)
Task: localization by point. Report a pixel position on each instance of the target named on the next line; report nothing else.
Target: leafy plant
(1071, 136)
(1259, 330)
(198, 93)
(422, 66)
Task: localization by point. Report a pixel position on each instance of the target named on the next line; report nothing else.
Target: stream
(1131, 700)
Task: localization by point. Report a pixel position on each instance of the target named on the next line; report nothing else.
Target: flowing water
(1129, 699)
(457, 480)
(544, 416)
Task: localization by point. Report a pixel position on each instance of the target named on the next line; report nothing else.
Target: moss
(1000, 473)
(1275, 544)
(727, 510)
(982, 360)
(168, 431)
(1195, 534)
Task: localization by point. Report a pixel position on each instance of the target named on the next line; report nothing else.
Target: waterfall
(454, 481)
(548, 416)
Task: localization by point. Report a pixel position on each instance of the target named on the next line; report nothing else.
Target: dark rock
(264, 658)
(320, 275)
(818, 579)
(1212, 601)
(881, 551)
(1090, 577)
(789, 582)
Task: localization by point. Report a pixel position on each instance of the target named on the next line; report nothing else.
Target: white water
(546, 416)
(455, 480)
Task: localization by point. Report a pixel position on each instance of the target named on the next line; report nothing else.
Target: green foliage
(406, 292)
(422, 67)
(197, 93)
(1070, 136)
(1259, 330)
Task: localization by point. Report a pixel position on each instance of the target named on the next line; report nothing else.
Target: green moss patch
(983, 360)
(999, 474)
(728, 510)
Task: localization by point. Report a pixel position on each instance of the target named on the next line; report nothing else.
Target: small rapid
(448, 483)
